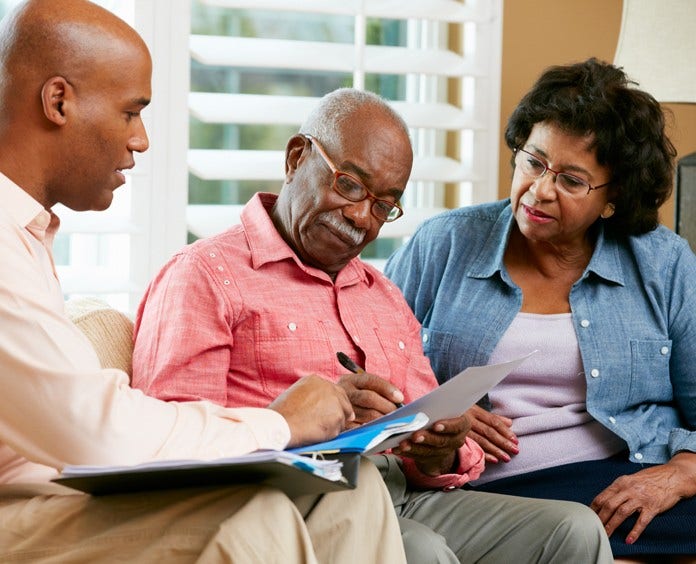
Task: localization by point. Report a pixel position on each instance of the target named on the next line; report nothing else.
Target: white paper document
(328, 469)
(452, 398)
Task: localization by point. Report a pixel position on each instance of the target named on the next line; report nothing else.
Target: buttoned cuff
(680, 440)
(471, 464)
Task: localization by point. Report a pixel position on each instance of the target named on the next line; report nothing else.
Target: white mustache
(357, 236)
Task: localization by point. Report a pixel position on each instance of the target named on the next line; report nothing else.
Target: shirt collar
(605, 261)
(490, 258)
(26, 212)
(21, 207)
(266, 244)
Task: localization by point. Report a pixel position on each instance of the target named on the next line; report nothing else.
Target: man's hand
(370, 396)
(647, 492)
(493, 434)
(315, 409)
(435, 449)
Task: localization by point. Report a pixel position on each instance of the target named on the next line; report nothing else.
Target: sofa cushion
(110, 331)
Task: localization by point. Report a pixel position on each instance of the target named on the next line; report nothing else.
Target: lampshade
(657, 47)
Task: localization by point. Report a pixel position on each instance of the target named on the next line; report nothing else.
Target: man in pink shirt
(73, 82)
(240, 317)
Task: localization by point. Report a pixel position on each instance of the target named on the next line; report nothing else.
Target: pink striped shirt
(238, 318)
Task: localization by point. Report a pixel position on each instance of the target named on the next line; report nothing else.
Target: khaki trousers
(47, 524)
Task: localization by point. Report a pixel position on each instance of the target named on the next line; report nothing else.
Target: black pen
(348, 364)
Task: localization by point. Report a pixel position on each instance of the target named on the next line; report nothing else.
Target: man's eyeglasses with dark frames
(350, 188)
(534, 167)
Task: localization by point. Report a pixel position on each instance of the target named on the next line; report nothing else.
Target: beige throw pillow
(110, 331)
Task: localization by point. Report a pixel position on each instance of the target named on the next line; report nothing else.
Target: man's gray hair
(325, 121)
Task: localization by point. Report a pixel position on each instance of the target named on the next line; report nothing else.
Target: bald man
(73, 82)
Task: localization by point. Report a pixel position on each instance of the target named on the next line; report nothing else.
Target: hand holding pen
(370, 395)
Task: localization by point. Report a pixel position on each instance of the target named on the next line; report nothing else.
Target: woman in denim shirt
(575, 265)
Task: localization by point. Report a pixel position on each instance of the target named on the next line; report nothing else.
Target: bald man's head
(73, 81)
(43, 38)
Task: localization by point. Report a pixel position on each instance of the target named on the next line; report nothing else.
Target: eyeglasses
(353, 190)
(534, 167)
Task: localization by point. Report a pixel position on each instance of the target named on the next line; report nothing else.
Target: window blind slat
(216, 164)
(291, 110)
(250, 108)
(245, 52)
(436, 10)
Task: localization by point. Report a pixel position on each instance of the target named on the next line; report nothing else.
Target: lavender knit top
(545, 397)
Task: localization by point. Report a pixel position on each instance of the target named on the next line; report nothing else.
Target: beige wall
(539, 33)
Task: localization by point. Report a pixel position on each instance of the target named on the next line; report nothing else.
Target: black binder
(293, 480)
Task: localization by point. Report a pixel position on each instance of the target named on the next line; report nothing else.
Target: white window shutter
(426, 62)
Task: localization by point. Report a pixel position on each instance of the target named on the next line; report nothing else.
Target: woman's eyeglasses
(534, 167)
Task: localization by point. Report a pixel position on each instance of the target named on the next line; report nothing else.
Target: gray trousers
(468, 526)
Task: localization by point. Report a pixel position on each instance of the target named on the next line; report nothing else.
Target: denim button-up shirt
(633, 309)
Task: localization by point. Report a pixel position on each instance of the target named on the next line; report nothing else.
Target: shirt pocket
(288, 348)
(650, 381)
(393, 363)
(435, 342)
(447, 352)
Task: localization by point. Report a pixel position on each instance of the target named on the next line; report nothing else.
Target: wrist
(684, 463)
(437, 467)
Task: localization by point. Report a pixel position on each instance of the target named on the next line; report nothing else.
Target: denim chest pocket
(438, 347)
(435, 342)
(287, 349)
(650, 381)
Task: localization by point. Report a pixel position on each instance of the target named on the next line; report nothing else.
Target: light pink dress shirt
(238, 318)
(57, 406)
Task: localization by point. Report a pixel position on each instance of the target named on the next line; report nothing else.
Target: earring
(608, 211)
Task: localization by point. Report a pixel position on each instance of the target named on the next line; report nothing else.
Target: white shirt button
(612, 420)
(585, 323)
(425, 337)
(220, 268)
(212, 255)
(448, 488)
(292, 326)
(594, 373)
(664, 350)
(638, 456)
(226, 282)
(402, 346)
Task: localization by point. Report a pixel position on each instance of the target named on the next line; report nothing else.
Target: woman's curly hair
(628, 128)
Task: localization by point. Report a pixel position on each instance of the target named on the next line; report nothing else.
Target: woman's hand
(648, 492)
(493, 434)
